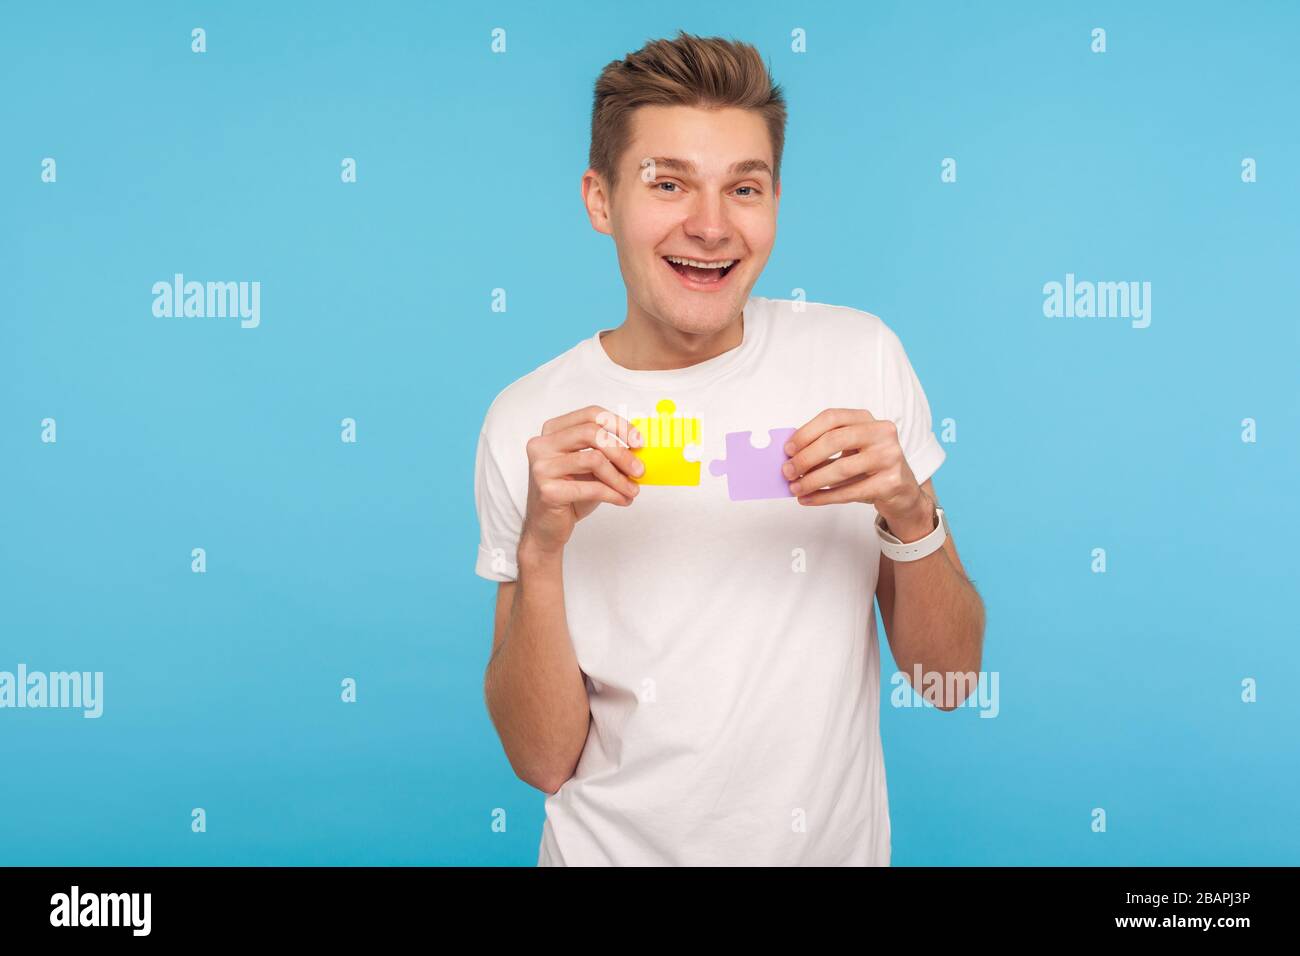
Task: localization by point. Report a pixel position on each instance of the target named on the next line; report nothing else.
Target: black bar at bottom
(243, 904)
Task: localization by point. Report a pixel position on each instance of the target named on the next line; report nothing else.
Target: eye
(667, 183)
(752, 191)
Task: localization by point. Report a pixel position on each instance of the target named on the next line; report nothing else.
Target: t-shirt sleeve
(499, 518)
(907, 407)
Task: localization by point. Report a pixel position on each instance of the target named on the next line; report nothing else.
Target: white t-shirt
(729, 646)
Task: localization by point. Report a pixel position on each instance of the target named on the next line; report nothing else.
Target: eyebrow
(686, 166)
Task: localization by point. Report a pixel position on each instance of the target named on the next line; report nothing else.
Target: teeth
(700, 264)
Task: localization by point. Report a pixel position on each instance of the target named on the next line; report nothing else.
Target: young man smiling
(694, 679)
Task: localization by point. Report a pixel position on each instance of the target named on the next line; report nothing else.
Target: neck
(644, 343)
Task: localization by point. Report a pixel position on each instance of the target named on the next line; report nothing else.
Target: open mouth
(698, 273)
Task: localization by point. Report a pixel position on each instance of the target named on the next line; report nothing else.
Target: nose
(707, 220)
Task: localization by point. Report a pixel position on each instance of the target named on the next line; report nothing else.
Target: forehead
(713, 139)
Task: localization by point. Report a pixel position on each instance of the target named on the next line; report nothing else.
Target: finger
(603, 470)
(587, 461)
(561, 422)
(563, 491)
(544, 448)
(861, 489)
(591, 435)
(850, 466)
(617, 425)
(807, 487)
(598, 437)
(881, 486)
(832, 442)
(844, 454)
(821, 423)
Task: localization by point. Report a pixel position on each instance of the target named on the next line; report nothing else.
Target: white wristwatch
(894, 549)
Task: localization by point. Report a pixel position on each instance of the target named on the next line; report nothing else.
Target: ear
(596, 199)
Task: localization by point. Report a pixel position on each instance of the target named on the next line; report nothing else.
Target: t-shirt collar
(701, 373)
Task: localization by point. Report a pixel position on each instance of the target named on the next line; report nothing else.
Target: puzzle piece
(666, 439)
(755, 472)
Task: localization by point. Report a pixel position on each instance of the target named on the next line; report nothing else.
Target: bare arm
(933, 615)
(536, 693)
(535, 690)
(934, 618)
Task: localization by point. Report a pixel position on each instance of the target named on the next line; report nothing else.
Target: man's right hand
(577, 462)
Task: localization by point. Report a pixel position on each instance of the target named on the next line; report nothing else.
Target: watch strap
(896, 550)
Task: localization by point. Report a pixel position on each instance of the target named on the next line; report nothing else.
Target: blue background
(327, 560)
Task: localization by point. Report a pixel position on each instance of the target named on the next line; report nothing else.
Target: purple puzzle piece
(754, 472)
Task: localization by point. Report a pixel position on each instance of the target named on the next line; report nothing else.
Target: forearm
(937, 622)
(535, 691)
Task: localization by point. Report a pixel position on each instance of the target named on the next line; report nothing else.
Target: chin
(701, 318)
(702, 312)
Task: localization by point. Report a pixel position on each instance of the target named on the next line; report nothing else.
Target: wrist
(532, 553)
(916, 524)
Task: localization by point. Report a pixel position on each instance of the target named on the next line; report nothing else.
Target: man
(685, 658)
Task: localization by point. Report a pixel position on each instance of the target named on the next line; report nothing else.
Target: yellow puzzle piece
(665, 437)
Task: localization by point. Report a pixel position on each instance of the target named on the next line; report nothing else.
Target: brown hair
(687, 70)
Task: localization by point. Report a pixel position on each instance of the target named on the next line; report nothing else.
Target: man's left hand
(870, 469)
